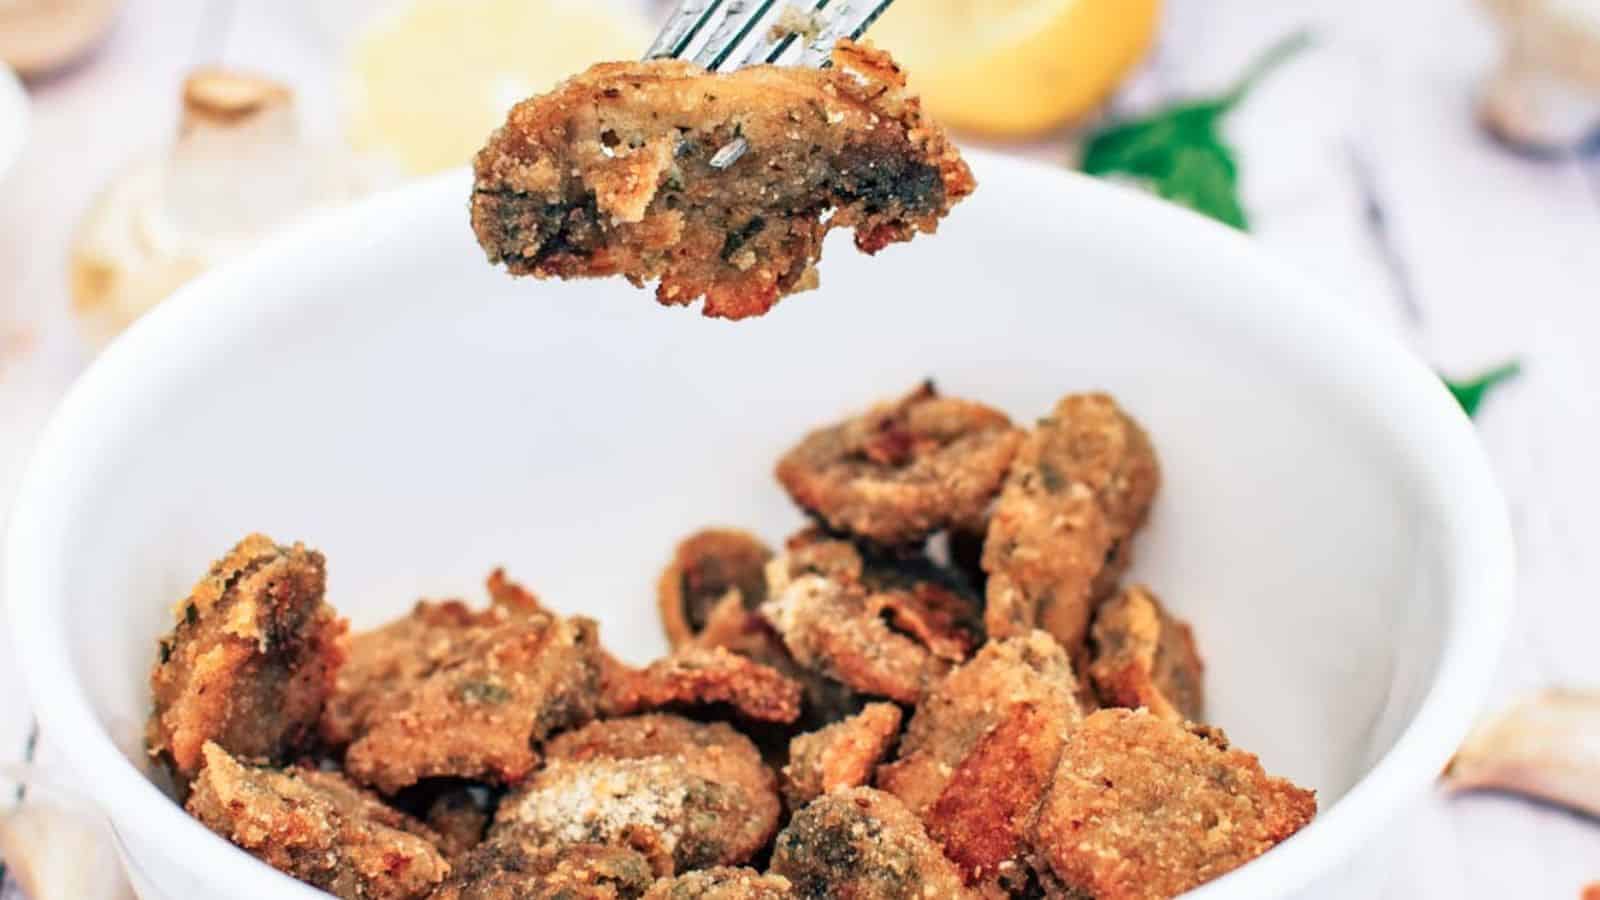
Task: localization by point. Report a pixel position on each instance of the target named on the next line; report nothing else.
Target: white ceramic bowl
(369, 385)
(13, 119)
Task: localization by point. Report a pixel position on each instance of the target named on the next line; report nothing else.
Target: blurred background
(1435, 162)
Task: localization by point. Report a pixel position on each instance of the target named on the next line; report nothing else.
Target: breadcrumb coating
(1143, 656)
(903, 469)
(615, 173)
(693, 795)
(250, 662)
(842, 755)
(1078, 489)
(705, 566)
(694, 677)
(1142, 808)
(723, 883)
(862, 843)
(318, 827)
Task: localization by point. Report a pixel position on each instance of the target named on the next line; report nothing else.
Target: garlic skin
(1545, 95)
(238, 170)
(54, 846)
(38, 36)
(1546, 746)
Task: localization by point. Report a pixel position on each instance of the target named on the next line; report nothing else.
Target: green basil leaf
(1470, 393)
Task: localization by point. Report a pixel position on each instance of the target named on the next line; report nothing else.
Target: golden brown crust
(698, 793)
(1142, 807)
(723, 883)
(982, 816)
(732, 627)
(317, 827)
(1143, 656)
(1079, 488)
(611, 174)
(1004, 676)
(515, 865)
(827, 625)
(903, 469)
(695, 676)
(842, 755)
(863, 843)
(705, 566)
(251, 660)
(452, 692)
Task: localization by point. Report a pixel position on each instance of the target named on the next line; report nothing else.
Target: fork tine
(685, 23)
(853, 20)
(772, 47)
(733, 30)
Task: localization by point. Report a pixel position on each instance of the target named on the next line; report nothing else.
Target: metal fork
(722, 35)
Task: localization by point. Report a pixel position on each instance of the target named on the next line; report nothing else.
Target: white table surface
(1489, 256)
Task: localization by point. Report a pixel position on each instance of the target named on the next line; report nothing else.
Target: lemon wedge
(1014, 68)
(430, 81)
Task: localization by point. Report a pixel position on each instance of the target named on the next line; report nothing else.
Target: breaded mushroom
(828, 625)
(705, 566)
(696, 795)
(456, 693)
(903, 469)
(319, 828)
(695, 677)
(1143, 656)
(723, 883)
(401, 653)
(1143, 808)
(1030, 671)
(1078, 489)
(732, 627)
(251, 660)
(842, 755)
(717, 185)
(516, 865)
(863, 844)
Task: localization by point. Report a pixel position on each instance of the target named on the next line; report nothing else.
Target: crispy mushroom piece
(717, 185)
(723, 883)
(904, 469)
(317, 827)
(705, 566)
(452, 692)
(842, 755)
(516, 865)
(862, 843)
(1143, 807)
(1006, 675)
(732, 627)
(1142, 656)
(828, 624)
(1079, 488)
(694, 677)
(690, 795)
(251, 660)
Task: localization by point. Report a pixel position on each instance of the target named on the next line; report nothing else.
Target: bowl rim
(1479, 606)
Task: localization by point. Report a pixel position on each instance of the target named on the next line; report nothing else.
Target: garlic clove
(37, 36)
(238, 170)
(1546, 746)
(1545, 95)
(55, 848)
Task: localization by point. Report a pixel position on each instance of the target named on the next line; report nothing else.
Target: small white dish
(13, 120)
(369, 385)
